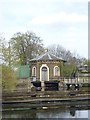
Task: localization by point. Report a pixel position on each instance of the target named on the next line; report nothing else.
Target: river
(48, 112)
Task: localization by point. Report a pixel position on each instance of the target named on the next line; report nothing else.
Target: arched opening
(56, 71)
(34, 71)
(44, 73)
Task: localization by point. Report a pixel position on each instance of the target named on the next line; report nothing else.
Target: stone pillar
(42, 85)
(29, 85)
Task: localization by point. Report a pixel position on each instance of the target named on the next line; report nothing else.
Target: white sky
(63, 22)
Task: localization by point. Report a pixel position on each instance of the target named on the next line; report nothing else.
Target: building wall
(50, 64)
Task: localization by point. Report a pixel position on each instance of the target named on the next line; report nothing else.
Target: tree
(26, 46)
(70, 67)
(6, 54)
(61, 52)
(86, 62)
(8, 78)
(69, 70)
(2, 44)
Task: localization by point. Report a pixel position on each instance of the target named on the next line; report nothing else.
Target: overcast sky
(63, 22)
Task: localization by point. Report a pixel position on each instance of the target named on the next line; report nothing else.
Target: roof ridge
(49, 56)
(38, 57)
(41, 56)
(57, 56)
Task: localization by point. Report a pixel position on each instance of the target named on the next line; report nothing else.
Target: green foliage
(68, 69)
(8, 78)
(86, 62)
(26, 46)
(6, 52)
(20, 49)
(61, 69)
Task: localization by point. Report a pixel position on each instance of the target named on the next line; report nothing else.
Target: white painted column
(42, 85)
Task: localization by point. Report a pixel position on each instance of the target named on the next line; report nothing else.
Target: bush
(8, 78)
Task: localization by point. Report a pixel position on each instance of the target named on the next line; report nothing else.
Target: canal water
(47, 112)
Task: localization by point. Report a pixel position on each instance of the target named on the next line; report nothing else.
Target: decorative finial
(46, 50)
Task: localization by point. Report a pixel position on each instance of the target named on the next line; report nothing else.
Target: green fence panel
(23, 71)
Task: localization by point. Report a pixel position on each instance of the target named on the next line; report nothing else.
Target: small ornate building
(46, 68)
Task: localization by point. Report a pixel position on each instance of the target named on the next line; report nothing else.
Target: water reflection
(45, 112)
(72, 110)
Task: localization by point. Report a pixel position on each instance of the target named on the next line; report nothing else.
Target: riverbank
(21, 100)
(16, 96)
(52, 112)
(39, 103)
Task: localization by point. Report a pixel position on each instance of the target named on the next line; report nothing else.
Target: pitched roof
(47, 56)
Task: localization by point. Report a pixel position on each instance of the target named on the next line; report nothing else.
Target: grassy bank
(25, 95)
(17, 100)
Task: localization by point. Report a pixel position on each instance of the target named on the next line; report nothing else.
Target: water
(45, 112)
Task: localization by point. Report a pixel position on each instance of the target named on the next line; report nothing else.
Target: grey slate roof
(47, 56)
